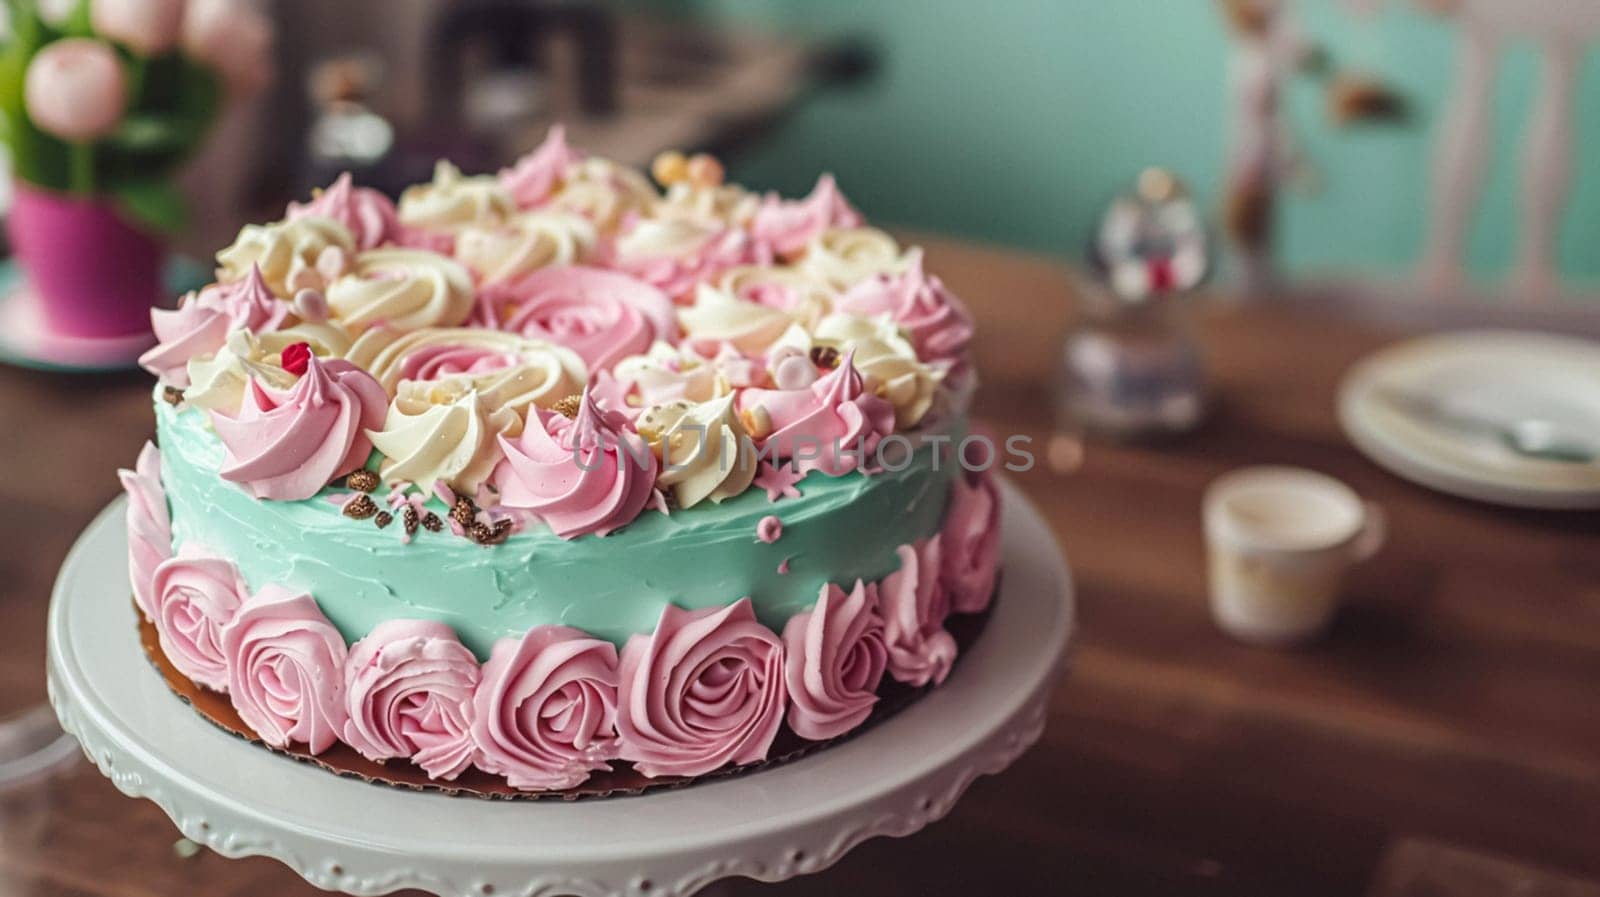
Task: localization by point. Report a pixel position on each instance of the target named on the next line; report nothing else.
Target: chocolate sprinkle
(360, 508)
(383, 519)
(408, 518)
(431, 522)
(483, 534)
(362, 481)
(465, 512)
(172, 395)
(825, 356)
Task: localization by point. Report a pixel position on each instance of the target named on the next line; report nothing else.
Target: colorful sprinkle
(778, 481)
(770, 529)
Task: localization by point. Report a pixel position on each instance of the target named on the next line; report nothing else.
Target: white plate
(352, 836)
(1497, 376)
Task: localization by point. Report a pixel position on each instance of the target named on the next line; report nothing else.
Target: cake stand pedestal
(364, 839)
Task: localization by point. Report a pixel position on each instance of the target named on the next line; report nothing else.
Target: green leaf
(151, 133)
(155, 204)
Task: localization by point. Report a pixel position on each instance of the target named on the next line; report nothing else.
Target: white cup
(1280, 540)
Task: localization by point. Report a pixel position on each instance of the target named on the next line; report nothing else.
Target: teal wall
(1014, 120)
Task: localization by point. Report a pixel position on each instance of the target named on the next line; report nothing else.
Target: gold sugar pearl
(705, 171)
(669, 168)
(568, 407)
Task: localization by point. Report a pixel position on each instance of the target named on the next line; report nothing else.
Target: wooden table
(1445, 739)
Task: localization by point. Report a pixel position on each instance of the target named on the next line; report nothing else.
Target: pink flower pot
(93, 273)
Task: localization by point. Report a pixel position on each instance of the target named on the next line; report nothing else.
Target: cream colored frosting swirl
(884, 357)
(526, 243)
(804, 296)
(506, 369)
(842, 256)
(704, 450)
(604, 192)
(724, 205)
(306, 253)
(718, 318)
(452, 201)
(217, 382)
(406, 289)
(442, 430)
(667, 373)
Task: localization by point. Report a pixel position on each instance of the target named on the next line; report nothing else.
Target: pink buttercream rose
(914, 607)
(201, 325)
(286, 669)
(938, 323)
(587, 474)
(785, 226)
(196, 596)
(705, 690)
(832, 425)
(545, 712)
(604, 316)
(835, 659)
(147, 27)
(149, 525)
(971, 541)
(678, 273)
(408, 693)
(75, 89)
(535, 177)
(287, 445)
(368, 214)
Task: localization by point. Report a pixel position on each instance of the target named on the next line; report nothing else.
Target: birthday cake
(564, 470)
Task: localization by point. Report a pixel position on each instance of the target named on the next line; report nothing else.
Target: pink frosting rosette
(149, 525)
(835, 659)
(545, 712)
(678, 275)
(832, 425)
(201, 324)
(971, 538)
(286, 445)
(408, 693)
(588, 474)
(784, 227)
(705, 690)
(368, 214)
(196, 596)
(603, 316)
(914, 606)
(535, 177)
(938, 323)
(286, 669)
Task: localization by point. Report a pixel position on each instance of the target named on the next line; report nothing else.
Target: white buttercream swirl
(305, 253)
(406, 289)
(718, 318)
(452, 201)
(843, 256)
(884, 357)
(604, 192)
(524, 244)
(722, 205)
(442, 430)
(704, 449)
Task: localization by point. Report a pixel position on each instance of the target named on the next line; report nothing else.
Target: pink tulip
(147, 27)
(232, 37)
(75, 89)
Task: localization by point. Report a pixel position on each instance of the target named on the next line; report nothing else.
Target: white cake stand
(364, 839)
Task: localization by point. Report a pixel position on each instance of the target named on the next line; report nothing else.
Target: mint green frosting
(839, 530)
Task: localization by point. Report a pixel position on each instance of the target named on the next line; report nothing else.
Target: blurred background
(1344, 138)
